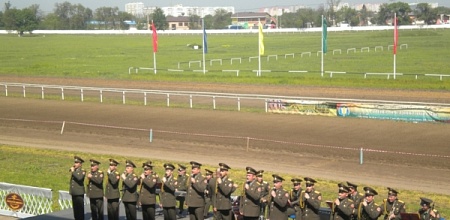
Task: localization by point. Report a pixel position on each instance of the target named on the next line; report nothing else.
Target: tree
(159, 18)
(195, 22)
(425, 13)
(221, 19)
(332, 6)
(209, 20)
(24, 20)
(347, 15)
(387, 11)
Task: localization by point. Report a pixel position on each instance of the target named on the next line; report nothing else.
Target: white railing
(189, 95)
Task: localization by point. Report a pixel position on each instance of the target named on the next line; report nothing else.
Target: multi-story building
(177, 10)
(135, 8)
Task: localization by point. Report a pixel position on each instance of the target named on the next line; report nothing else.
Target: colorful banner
(411, 113)
(302, 107)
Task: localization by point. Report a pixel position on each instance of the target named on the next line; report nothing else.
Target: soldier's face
(129, 169)
(343, 195)
(112, 167)
(392, 198)
(195, 170)
(94, 167)
(77, 164)
(297, 186)
(168, 172)
(208, 177)
(223, 173)
(250, 177)
(147, 171)
(277, 185)
(369, 198)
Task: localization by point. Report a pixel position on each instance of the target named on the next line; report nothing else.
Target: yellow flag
(261, 39)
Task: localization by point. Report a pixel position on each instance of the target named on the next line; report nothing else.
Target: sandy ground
(321, 147)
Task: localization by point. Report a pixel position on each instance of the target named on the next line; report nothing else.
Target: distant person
(112, 192)
(278, 202)
(392, 206)
(95, 190)
(130, 195)
(225, 187)
(249, 205)
(147, 194)
(342, 207)
(182, 185)
(368, 209)
(310, 201)
(167, 194)
(76, 189)
(427, 211)
(195, 197)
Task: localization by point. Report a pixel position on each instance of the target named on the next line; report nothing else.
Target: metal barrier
(65, 200)
(37, 201)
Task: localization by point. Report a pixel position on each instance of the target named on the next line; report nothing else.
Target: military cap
(259, 173)
(113, 162)
(78, 159)
(169, 166)
(425, 201)
(309, 181)
(147, 164)
(277, 178)
(296, 181)
(130, 163)
(392, 191)
(351, 185)
(181, 167)
(195, 164)
(343, 188)
(369, 191)
(94, 162)
(209, 172)
(250, 170)
(223, 166)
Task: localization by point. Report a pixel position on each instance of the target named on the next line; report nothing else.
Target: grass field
(47, 169)
(110, 56)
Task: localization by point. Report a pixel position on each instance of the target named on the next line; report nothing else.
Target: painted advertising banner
(412, 113)
(302, 107)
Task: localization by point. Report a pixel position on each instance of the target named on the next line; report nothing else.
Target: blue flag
(205, 43)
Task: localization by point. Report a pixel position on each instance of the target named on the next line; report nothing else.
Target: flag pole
(321, 67)
(155, 44)
(259, 49)
(395, 43)
(203, 40)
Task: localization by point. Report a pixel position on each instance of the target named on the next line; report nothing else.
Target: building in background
(249, 20)
(138, 9)
(135, 8)
(178, 23)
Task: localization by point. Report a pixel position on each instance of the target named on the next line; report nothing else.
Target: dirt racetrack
(321, 147)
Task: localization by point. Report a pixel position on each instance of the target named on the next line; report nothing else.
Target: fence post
(145, 98)
(62, 93)
(62, 127)
(248, 143)
(239, 104)
(361, 157)
(42, 89)
(101, 96)
(24, 93)
(214, 102)
(168, 99)
(82, 96)
(151, 135)
(6, 90)
(123, 97)
(266, 105)
(190, 101)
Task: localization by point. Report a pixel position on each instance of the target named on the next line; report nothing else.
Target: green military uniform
(294, 199)
(278, 204)
(427, 212)
(310, 206)
(392, 208)
(182, 186)
(209, 191)
(356, 197)
(77, 188)
(147, 195)
(372, 210)
(265, 188)
(222, 201)
(95, 191)
(249, 205)
(195, 196)
(130, 194)
(167, 194)
(112, 192)
(344, 210)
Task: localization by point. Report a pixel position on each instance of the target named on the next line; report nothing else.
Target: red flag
(395, 34)
(155, 38)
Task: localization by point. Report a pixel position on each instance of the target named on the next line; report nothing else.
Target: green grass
(48, 169)
(109, 56)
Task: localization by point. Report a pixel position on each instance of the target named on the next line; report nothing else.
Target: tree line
(68, 16)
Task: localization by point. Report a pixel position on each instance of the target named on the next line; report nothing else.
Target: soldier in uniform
(265, 188)
(95, 190)
(77, 174)
(112, 193)
(167, 194)
(356, 196)
(147, 196)
(182, 186)
(213, 182)
(249, 205)
(195, 197)
(310, 201)
(225, 187)
(342, 208)
(130, 195)
(210, 184)
(278, 202)
(427, 211)
(368, 209)
(294, 198)
(392, 206)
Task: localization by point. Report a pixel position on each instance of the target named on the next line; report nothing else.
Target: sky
(239, 5)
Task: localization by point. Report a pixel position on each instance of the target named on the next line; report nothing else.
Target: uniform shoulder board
(83, 170)
(134, 174)
(258, 183)
(400, 201)
(175, 178)
(100, 171)
(384, 200)
(265, 182)
(155, 175)
(360, 194)
(317, 192)
(117, 173)
(435, 210)
(230, 179)
(186, 175)
(375, 204)
(350, 200)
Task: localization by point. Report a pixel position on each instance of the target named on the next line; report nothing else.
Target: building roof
(177, 19)
(250, 15)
